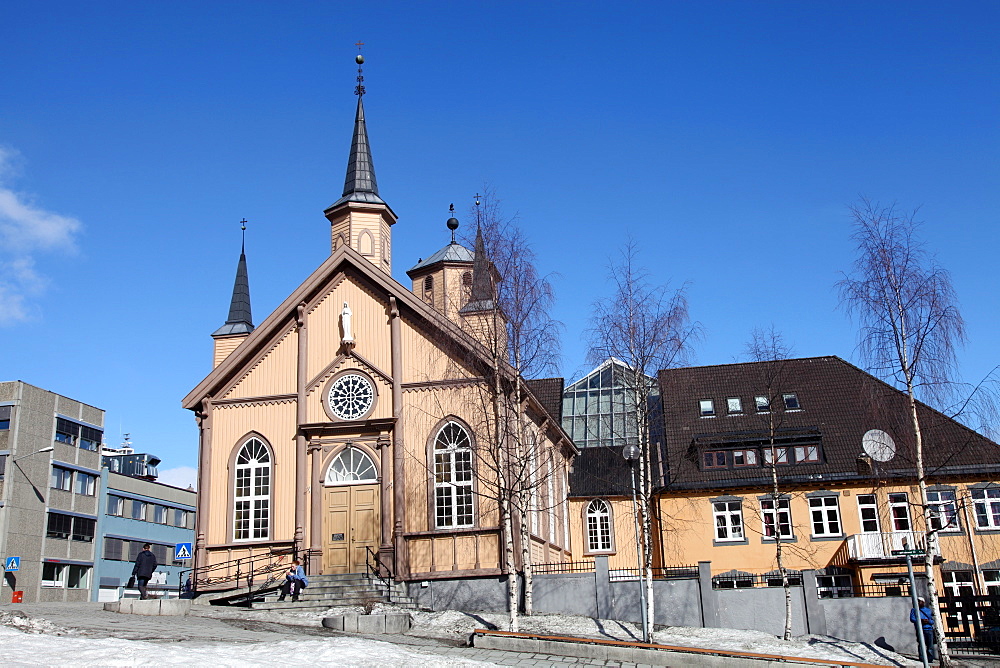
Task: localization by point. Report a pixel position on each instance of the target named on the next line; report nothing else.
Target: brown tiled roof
(549, 392)
(838, 402)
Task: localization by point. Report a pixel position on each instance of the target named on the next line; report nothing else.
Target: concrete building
(50, 481)
(135, 509)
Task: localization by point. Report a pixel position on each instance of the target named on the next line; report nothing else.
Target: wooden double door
(351, 525)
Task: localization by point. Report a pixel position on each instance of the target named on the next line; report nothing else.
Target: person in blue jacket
(926, 627)
(295, 581)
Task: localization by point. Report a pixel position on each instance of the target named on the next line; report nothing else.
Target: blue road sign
(12, 564)
(182, 551)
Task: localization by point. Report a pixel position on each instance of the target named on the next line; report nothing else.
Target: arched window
(467, 279)
(366, 244)
(598, 526)
(252, 492)
(351, 466)
(428, 283)
(452, 477)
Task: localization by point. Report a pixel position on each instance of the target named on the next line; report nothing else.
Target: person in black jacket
(145, 564)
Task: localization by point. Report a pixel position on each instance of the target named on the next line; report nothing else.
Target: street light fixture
(631, 454)
(49, 448)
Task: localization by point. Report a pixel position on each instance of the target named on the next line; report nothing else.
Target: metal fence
(750, 580)
(563, 567)
(659, 573)
(972, 624)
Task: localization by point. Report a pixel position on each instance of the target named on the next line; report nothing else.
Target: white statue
(345, 320)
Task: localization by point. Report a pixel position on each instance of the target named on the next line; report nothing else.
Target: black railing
(379, 570)
(751, 580)
(269, 565)
(876, 590)
(659, 573)
(563, 567)
(972, 624)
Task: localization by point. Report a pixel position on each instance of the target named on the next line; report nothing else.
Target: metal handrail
(246, 567)
(375, 568)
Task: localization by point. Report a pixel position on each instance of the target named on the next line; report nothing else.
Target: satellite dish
(878, 445)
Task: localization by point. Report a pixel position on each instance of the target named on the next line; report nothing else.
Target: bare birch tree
(768, 349)
(910, 327)
(648, 328)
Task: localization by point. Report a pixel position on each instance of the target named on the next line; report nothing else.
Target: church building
(354, 422)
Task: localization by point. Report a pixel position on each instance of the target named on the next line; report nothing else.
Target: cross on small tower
(359, 59)
(243, 227)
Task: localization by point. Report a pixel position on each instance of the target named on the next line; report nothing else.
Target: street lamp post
(631, 454)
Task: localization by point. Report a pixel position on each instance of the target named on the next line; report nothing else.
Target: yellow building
(354, 421)
(847, 500)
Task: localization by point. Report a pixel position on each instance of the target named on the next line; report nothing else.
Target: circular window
(351, 397)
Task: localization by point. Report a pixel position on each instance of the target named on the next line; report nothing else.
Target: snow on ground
(41, 649)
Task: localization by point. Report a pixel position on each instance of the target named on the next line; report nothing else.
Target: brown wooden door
(350, 526)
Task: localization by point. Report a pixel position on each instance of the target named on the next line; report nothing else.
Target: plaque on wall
(337, 536)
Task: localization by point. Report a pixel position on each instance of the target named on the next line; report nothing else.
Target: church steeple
(360, 217)
(239, 324)
(240, 320)
(483, 294)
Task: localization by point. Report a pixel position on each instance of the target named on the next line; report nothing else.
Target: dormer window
(791, 401)
(763, 403)
(706, 407)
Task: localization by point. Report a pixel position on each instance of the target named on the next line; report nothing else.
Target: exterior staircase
(325, 591)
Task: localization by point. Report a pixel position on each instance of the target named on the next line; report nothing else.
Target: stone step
(321, 604)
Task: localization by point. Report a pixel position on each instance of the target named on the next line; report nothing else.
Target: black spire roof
(360, 184)
(483, 296)
(240, 319)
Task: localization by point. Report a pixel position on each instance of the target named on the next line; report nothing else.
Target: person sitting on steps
(295, 581)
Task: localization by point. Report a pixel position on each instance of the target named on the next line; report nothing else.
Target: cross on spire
(360, 60)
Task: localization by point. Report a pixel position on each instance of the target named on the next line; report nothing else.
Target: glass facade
(599, 409)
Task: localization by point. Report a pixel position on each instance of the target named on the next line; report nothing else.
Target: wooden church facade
(351, 421)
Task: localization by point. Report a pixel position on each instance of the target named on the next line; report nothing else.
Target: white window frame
(791, 397)
(62, 479)
(734, 405)
(454, 502)
(899, 512)
(873, 509)
(803, 452)
(944, 508)
(986, 504)
(86, 484)
(782, 452)
(600, 538)
(748, 455)
(82, 576)
(777, 518)
(728, 521)
(762, 403)
(706, 408)
(826, 516)
(351, 466)
(252, 483)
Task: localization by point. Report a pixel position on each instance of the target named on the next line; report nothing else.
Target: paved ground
(217, 625)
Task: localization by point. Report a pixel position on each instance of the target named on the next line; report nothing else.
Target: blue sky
(728, 138)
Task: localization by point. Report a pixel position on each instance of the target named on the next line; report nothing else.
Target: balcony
(878, 548)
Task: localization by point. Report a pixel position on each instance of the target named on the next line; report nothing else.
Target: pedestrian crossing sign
(12, 564)
(182, 551)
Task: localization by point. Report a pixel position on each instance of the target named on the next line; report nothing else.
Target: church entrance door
(351, 526)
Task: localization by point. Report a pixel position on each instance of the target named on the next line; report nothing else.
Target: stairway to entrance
(325, 591)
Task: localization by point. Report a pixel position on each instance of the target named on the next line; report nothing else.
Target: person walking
(926, 627)
(145, 565)
(295, 581)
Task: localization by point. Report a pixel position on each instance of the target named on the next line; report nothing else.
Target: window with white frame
(868, 513)
(762, 403)
(728, 520)
(943, 508)
(351, 466)
(986, 502)
(734, 405)
(53, 575)
(138, 509)
(252, 510)
(86, 484)
(992, 579)
(777, 517)
(899, 511)
(78, 577)
(180, 517)
(834, 586)
(706, 408)
(62, 478)
(452, 477)
(958, 583)
(598, 526)
(824, 511)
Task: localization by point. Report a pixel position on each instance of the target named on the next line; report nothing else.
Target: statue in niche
(345, 322)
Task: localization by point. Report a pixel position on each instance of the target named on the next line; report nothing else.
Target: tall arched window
(351, 466)
(252, 493)
(452, 477)
(598, 526)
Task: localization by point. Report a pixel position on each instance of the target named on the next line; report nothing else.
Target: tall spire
(360, 184)
(240, 319)
(483, 296)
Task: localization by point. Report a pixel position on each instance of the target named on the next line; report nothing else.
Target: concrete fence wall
(882, 622)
